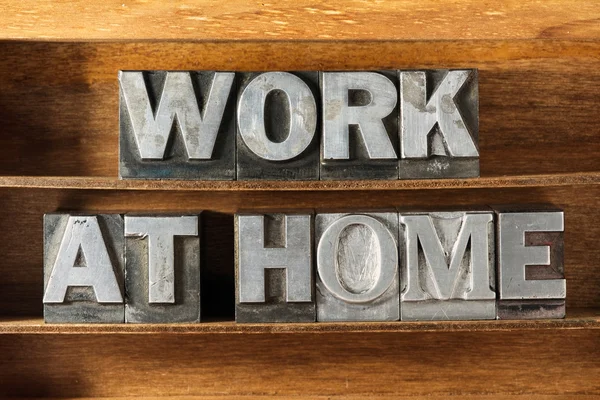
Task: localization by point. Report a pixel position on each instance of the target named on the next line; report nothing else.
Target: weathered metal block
(278, 126)
(273, 268)
(83, 268)
(448, 268)
(360, 125)
(177, 125)
(357, 267)
(530, 262)
(439, 124)
(531, 309)
(162, 270)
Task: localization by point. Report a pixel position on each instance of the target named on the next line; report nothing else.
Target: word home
(207, 125)
(410, 266)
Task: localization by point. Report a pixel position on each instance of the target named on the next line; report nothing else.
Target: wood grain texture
(342, 397)
(21, 236)
(539, 143)
(301, 19)
(577, 318)
(538, 101)
(92, 183)
(548, 362)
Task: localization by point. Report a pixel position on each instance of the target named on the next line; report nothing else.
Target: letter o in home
(302, 114)
(379, 250)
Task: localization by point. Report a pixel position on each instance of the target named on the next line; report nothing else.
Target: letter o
(302, 113)
(327, 259)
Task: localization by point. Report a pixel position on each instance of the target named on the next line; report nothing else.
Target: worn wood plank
(54, 182)
(577, 318)
(302, 19)
(344, 397)
(538, 102)
(548, 362)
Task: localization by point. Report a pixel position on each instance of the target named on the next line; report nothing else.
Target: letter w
(152, 130)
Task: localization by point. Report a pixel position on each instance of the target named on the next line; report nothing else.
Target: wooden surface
(387, 363)
(345, 397)
(300, 19)
(582, 318)
(537, 101)
(54, 182)
(539, 71)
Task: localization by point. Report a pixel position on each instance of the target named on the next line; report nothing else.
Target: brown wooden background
(539, 75)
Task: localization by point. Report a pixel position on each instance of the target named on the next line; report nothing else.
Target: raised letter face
(154, 104)
(439, 132)
(274, 268)
(162, 269)
(448, 267)
(530, 264)
(277, 122)
(357, 267)
(360, 124)
(83, 268)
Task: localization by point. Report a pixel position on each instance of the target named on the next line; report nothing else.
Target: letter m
(437, 268)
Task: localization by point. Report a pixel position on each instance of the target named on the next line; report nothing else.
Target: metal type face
(514, 255)
(530, 265)
(177, 125)
(357, 267)
(439, 124)
(83, 268)
(277, 119)
(162, 271)
(448, 268)
(302, 116)
(274, 280)
(360, 123)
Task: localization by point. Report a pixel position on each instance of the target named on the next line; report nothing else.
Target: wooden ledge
(106, 183)
(364, 396)
(587, 318)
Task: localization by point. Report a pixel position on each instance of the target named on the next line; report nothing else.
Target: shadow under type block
(83, 268)
(177, 125)
(530, 246)
(162, 268)
(273, 268)
(357, 266)
(278, 126)
(447, 265)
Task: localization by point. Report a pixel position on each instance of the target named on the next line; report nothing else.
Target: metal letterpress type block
(277, 124)
(273, 268)
(439, 124)
(360, 125)
(83, 268)
(177, 125)
(162, 269)
(447, 266)
(357, 267)
(530, 263)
